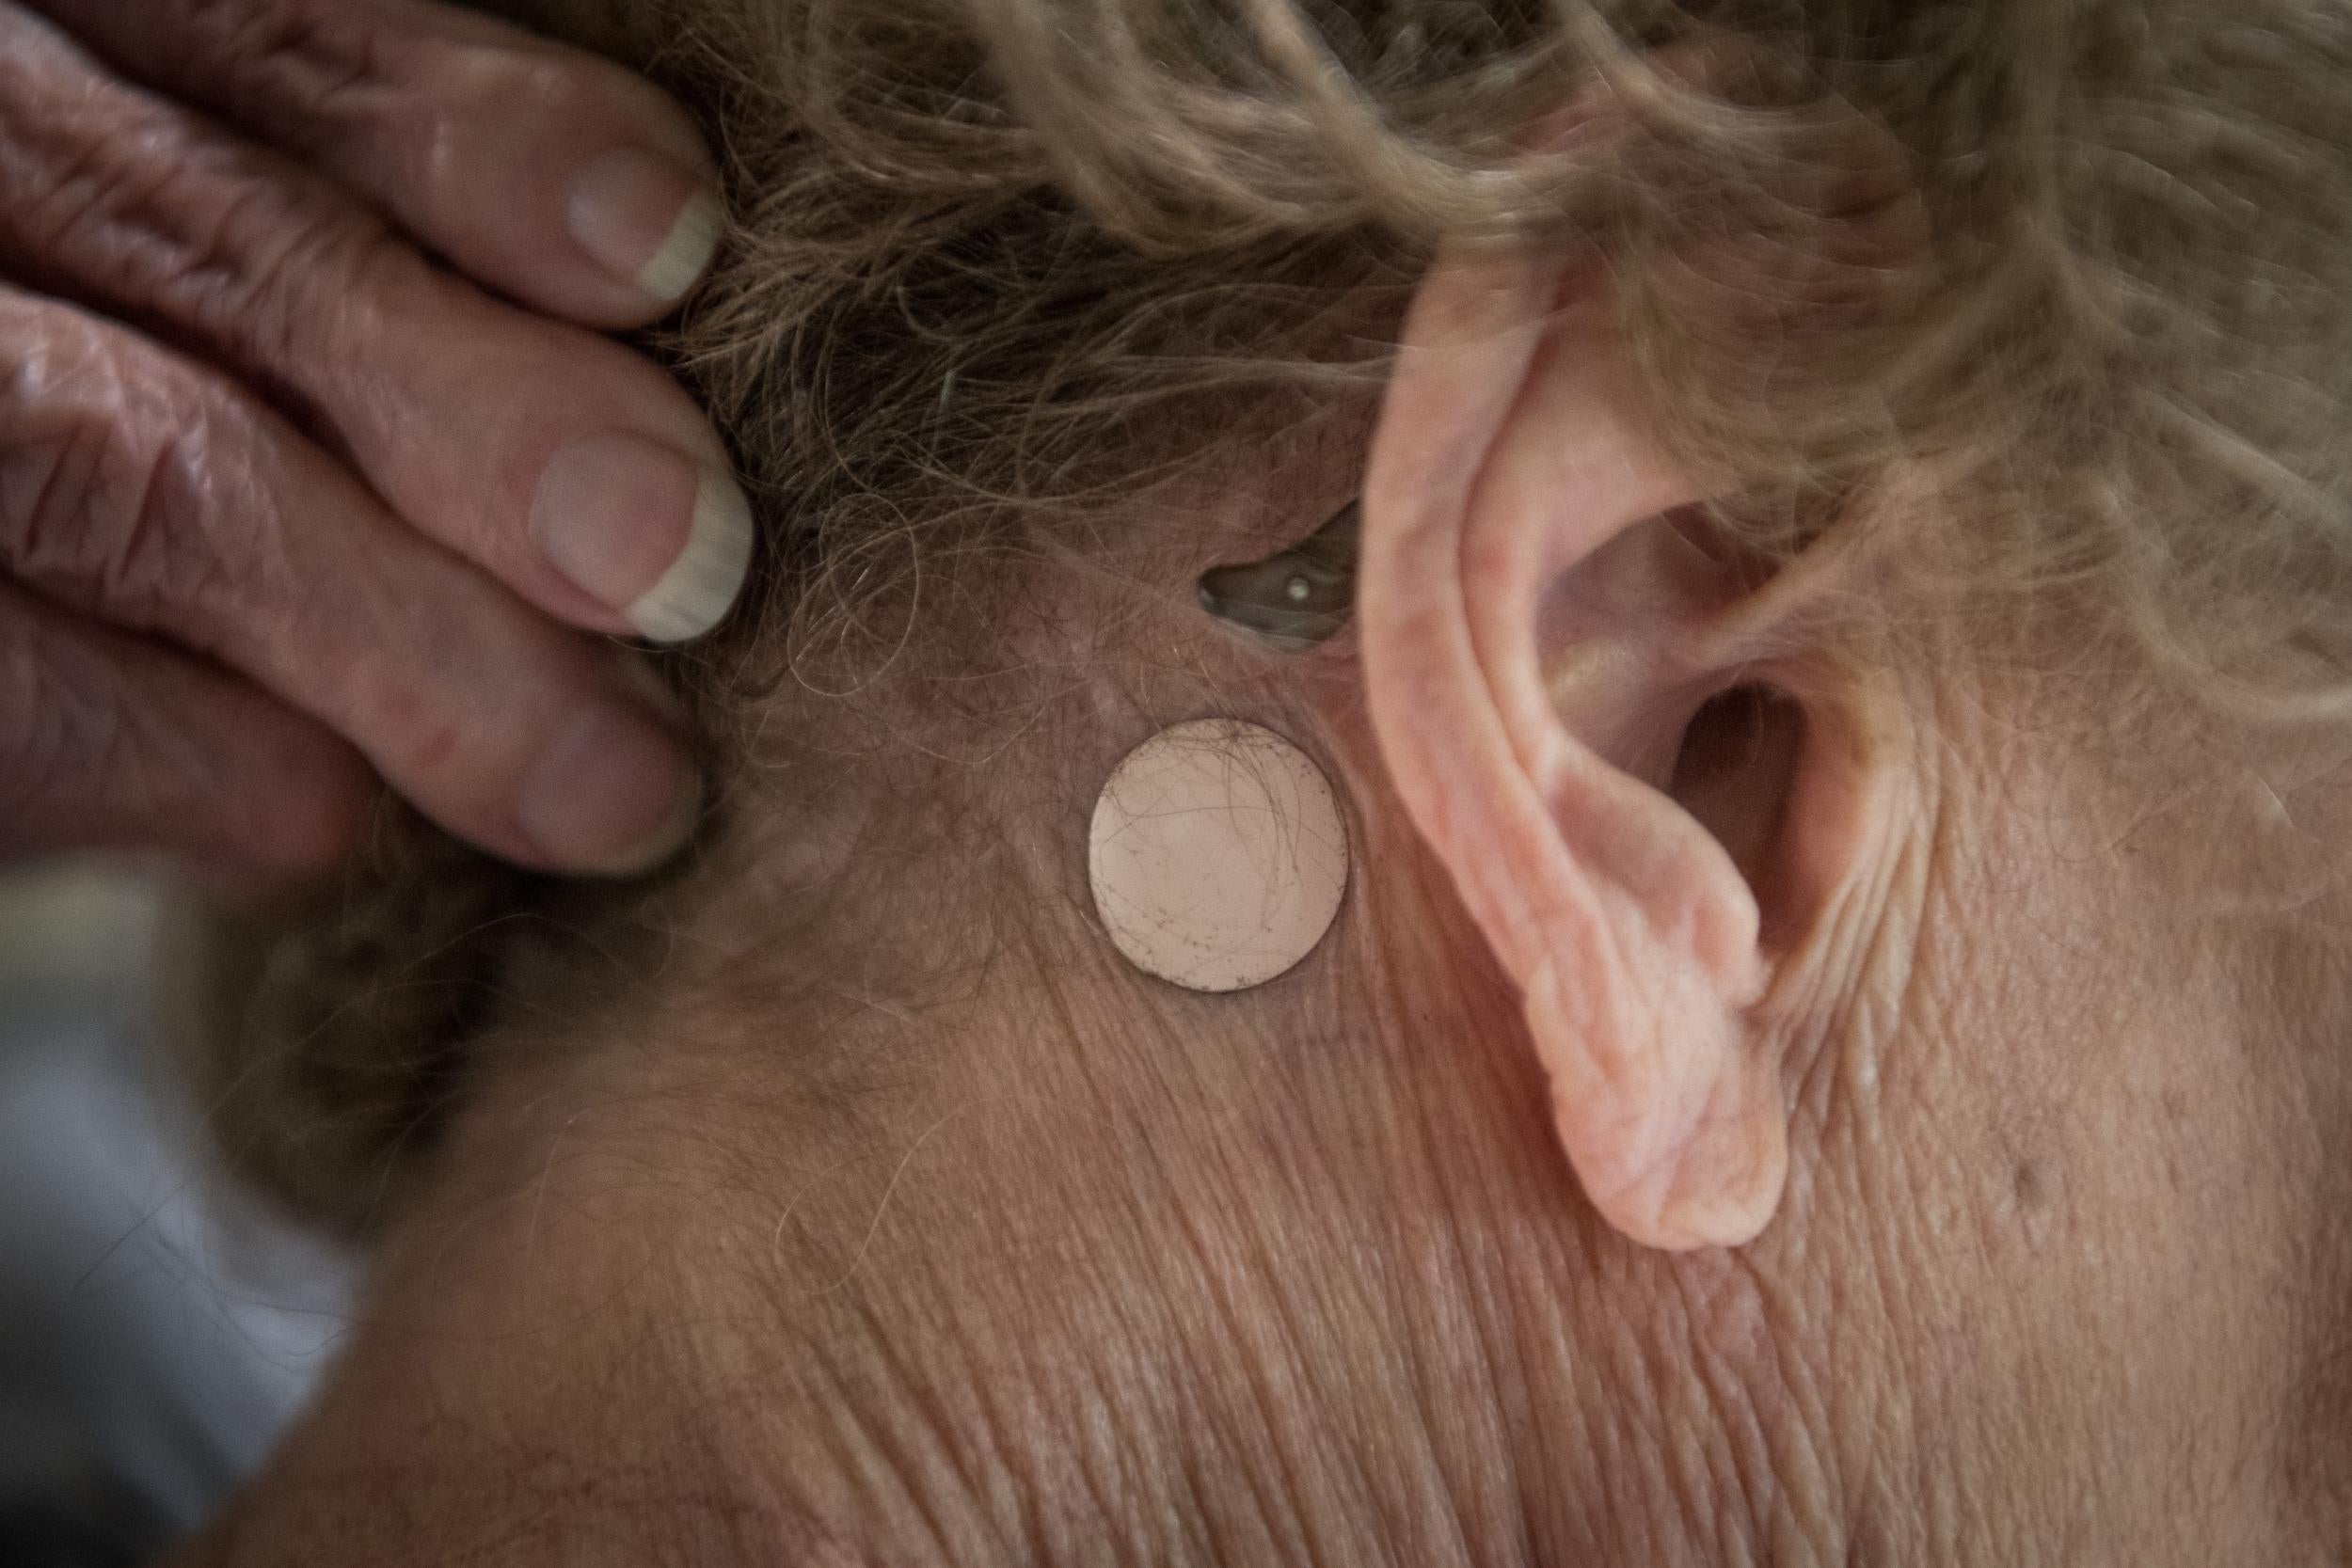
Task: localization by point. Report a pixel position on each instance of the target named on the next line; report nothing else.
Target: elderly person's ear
(1558, 678)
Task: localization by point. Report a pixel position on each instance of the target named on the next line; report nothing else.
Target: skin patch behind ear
(1217, 855)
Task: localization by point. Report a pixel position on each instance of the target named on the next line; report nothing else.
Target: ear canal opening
(1735, 773)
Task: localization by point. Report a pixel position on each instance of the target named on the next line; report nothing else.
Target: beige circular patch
(1217, 855)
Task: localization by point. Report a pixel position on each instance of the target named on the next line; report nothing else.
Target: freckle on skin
(1217, 855)
(2031, 1190)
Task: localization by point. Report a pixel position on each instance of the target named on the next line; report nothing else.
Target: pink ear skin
(1503, 464)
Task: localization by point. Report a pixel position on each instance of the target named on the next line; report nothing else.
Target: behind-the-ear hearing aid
(1297, 599)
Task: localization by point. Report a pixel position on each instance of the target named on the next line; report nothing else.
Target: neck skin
(901, 1221)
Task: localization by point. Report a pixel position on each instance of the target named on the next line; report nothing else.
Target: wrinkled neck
(1051, 1270)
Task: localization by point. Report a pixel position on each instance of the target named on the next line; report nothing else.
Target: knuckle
(338, 78)
(118, 472)
(273, 263)
(338, 70)
(63, 165)
(110, 196)
(282, 273)
(297, 63)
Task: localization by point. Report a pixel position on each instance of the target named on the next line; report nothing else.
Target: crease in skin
(1297, 598)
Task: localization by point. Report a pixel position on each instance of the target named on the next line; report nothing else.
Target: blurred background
(157, 1330)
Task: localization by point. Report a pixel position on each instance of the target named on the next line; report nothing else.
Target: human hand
(286, 502)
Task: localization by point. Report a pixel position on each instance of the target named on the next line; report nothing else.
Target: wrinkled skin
(898, 1222)
(314, 467)
(863, 1206)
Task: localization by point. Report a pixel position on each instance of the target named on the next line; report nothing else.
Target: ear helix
(1507, 455)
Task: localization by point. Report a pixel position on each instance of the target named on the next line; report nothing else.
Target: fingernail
(646, 219)
(646, 530)
(614, 796)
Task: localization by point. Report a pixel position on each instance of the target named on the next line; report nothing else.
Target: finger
(140, 488)
(549, 174)
(108, 741)
(571, 469)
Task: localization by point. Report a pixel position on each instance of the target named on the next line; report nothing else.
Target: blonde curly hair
(2084, 264)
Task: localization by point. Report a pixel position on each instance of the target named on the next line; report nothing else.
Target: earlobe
(1504, 463)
